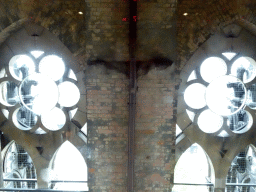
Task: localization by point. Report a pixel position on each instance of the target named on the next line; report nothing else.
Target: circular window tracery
(35, 92)
(222, 94)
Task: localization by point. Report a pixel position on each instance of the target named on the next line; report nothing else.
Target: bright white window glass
(72, 113)
(54, 119)
(5, 112)
(191, 188)
(84, 129)
(226, 95)
(209, 122)
(251, 97)
(69, 94)
(178, 130)
(191, 115)
(37, 54)
(3, 73)
(212, 68)
(244, 68)
(240, 122)
(21, 66)
(9, 93)
(72, 75)
(18, 165)
(195, 96)
(53, 66)
(24, 119)
(229, 55)
(193, 167)
(223, 134)
(75, 171)
(192, 76)
(38, 93)
(242, 170)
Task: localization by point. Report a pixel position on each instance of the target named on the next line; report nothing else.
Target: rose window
(220, 94)
(38, 91)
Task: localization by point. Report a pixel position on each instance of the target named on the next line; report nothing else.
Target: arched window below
(69, 167)
(193, 171)
(17, 164)
(242, 172)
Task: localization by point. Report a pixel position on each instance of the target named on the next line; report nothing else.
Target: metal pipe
(132, 94)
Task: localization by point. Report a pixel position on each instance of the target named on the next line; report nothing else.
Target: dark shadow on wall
(143, 66)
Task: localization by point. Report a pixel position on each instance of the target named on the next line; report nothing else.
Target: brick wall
(107, 113)
(155, 130)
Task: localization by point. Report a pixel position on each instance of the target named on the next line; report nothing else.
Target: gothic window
(69, 165)
(220, 95)
(198, 170)
(242, 171)
(17, 164)
(38, 92)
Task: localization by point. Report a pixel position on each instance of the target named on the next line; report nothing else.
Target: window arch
(17, 164)
(69, 165)
(193, 167)
(242, 170)
(216, 104)
(27, 62)
(35, 88)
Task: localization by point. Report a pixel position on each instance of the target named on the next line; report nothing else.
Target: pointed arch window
(242, 171)
(17, 164)
(69, 165)
(193, 171)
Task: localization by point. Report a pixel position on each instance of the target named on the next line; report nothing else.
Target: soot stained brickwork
(107, 113)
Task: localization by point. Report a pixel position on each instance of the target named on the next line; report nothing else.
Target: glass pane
(76, 171)
(9, 93)
(242, 170)
(192, 76)
(39, 93)
(226, 95)
(195, 96)
(18, 165)
(251, 96)
(191, 115)
(178, 130)
(229, 55)
(72, 75)
(54, 119)
(24, 118)
(193, 167)
(212, 68)
(69, 94)
(84, 129)
(223, 134)
(6, 113)
(240, 122)
(53, 66)
(72, 113)
(209, 122)
(36, 54)
(244, 69)
(21, 66)
(192, 188)
(3, 73)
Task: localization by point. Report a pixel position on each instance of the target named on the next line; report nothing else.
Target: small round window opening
(221, 94)
(37, 92)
